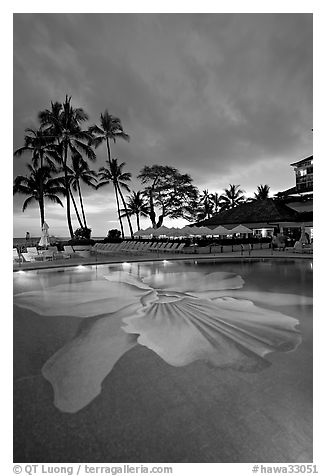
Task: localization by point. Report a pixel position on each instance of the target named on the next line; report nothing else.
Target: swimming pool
(229, 339)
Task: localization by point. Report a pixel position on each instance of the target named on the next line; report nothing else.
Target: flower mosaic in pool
(180, 311)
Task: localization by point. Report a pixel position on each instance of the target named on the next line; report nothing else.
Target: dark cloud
(215, 95)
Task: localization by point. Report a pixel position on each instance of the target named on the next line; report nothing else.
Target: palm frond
(27, 202)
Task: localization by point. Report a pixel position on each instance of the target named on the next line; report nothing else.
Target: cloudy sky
(226, 98)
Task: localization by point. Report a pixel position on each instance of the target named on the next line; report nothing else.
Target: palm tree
(205, 199)
(63, 123)
(232, 197)
(80, 172)
(39, 145)
(216, 201)
(262, 192)
(114, 174)
(39, 185)
(136, 205)
(110, 129)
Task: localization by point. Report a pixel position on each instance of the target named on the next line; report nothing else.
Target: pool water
(197, 361)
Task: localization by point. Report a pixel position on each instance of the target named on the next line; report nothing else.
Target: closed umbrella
(45, 238)
(303, 237)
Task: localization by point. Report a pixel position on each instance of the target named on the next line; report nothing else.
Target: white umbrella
(220, 230)
(162, 230)
(148, 231)
(45, 239)
(240, 229)
(205, 230)
(175, 232)
(140, 232)
(201, 230)
(187, 230)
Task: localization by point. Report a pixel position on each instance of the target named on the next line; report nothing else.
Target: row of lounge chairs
(33, 254)
(137, 247)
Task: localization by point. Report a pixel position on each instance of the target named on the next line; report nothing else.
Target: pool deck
(132, 257)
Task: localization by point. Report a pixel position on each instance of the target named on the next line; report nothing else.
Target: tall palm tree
(110, 129)
(232, 197)
(39, 185)
(262, 192)
(80, 172)
(39, 145)
(136, 205)
(114, 174)
(63, 123)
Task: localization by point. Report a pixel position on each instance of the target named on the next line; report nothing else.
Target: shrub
(114, 234)
(82, 234)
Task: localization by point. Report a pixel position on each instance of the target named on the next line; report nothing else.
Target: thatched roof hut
(258, 213)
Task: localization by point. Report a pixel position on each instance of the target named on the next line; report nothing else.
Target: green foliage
(114, 234)
(167, 190)
(83, 233)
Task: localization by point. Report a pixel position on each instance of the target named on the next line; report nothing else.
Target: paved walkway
(157, 256)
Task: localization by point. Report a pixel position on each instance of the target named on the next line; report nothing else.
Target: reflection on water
(182, 311)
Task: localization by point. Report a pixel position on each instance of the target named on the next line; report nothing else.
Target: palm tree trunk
(115, 189)
(81, 203)
(152, 214)
(119, 212)
(138, 222)
(41, 205)
(71, 231)
(41, 195)
(76, 209)
(126, 208)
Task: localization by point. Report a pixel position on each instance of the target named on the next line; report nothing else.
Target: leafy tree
(83, 233)
(63, 123)
(114, 234)
(110, 129)
(39, 186)
(114, 174)
(136, 205)
(167, 190)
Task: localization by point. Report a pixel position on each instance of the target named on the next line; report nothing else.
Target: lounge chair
(68, 251)
(154, 246)
(173, 247)
(180, 247)
(15, 257)
(32, 251)
(56, 254)
(28, 258)
(45, 255)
